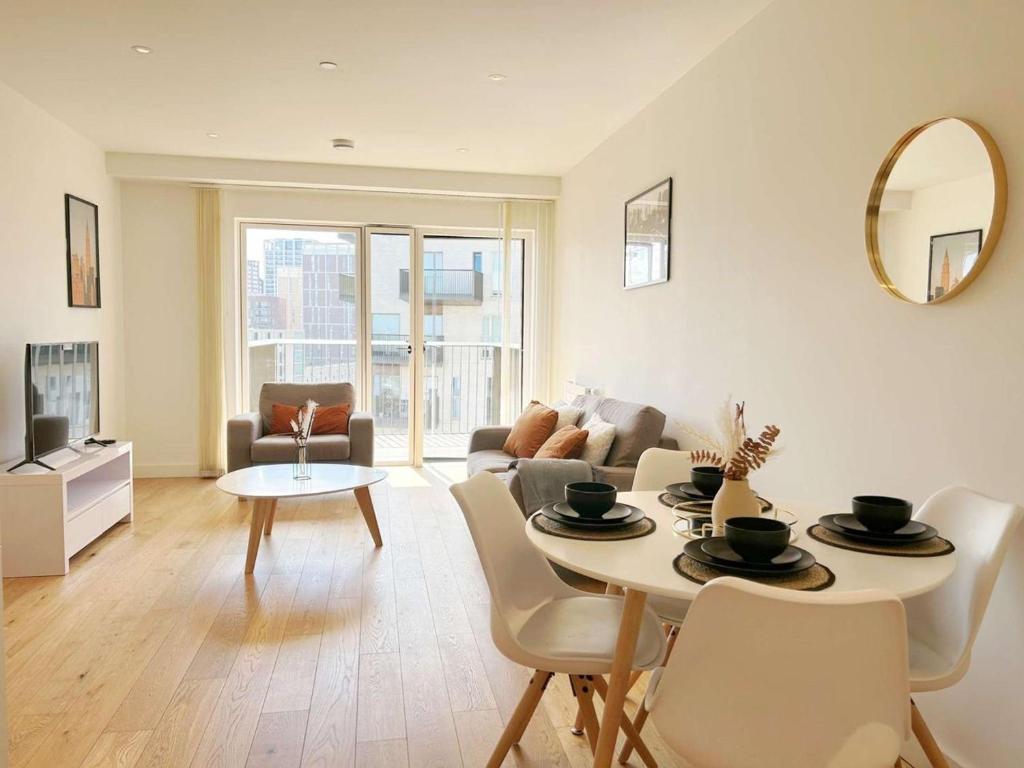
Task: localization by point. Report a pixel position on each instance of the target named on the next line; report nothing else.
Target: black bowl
(707, 479)
(882, 514)
(757, 539)
(590, 499)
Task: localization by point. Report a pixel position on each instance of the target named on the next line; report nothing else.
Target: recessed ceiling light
(462, 149)
(327, 65)
(343, 144)
(142, 49)
(213, 135)
(497, 77)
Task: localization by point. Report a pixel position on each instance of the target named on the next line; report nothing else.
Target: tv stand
(27, 462)
(48, 516)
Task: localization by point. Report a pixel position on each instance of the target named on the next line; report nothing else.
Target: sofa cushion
(600, 436)
(281, 418)
(564, 443)
(637, 428)
(488, 461)
(588, 404)
(331, 419)
(281, 449)
(298, 394)
(567, 416)
(534, 425)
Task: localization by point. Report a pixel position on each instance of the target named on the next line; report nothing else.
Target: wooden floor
(156, 651)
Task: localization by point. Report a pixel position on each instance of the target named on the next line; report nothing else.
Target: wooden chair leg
(633, 739)
(925, 738)
(584, 691)
(641, 712)
(268, 524)
(520, 717)
(577, 727)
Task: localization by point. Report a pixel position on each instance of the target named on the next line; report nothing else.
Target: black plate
(687, 491)
(720, 550)
(828, 523)
(616, 514)
(635, 515)
(694, 549)
(853, 525)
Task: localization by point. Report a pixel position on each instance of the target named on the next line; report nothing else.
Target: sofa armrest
(243, 430)
(669, 443)
(360, 435)
(620, 477)
(488, 438)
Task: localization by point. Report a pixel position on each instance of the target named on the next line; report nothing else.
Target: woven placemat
(814, 579)
(932, 548)
(700, 507)
(631, 531)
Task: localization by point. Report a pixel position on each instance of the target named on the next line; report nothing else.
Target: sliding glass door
(428, 326)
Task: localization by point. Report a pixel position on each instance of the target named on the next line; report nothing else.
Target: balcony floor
(394, 447)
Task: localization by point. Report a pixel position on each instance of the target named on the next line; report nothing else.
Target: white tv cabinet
(47, 516)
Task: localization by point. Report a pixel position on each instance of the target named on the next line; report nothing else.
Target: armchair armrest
(488, 438)
(360, 436)
(243, 430)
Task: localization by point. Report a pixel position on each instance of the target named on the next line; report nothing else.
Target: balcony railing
(446, 286)
(462, 381)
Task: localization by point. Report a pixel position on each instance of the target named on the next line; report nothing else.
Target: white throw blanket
(543, 480)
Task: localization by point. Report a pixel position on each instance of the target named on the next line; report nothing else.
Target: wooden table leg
(259, 513)
(366, 507)
(618, 680)
(268, 524)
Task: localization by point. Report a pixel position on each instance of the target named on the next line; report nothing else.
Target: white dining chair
(542, 623)
(944, 622)
(777, 677)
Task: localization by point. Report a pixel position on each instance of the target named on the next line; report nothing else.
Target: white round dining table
(644, 566)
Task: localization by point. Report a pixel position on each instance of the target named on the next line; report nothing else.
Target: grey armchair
(249, 443)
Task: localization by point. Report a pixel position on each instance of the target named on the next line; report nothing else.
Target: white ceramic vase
(734, 499)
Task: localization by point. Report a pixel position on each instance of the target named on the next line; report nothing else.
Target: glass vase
(300, 469)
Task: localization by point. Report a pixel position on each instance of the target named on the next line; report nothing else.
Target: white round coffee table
(266, 483)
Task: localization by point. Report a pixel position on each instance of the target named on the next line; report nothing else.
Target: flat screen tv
(62, 396)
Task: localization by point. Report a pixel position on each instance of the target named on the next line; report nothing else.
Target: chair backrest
(298, 394)
(520, 579)
(764, 676)
(659, 467)
(947, 619)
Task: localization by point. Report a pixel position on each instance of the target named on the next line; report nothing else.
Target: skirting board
(166, 470)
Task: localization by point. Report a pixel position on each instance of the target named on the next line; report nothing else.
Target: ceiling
(946, 151)
(411, 86)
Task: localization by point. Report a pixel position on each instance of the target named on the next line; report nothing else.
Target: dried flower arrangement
(735, 452)
(301, 429)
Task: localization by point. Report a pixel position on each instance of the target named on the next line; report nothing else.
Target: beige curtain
(533, 220)
(212, 419)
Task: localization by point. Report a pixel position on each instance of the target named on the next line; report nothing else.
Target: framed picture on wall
(648, 236)
(81, 230)
(951, 257)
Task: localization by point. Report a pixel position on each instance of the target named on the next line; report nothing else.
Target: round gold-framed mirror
(936, 210)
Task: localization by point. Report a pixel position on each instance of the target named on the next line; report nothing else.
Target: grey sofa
(249, 443)
(637, 428)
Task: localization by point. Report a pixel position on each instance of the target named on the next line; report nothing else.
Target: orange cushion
(331, 419)
(534, 425)
(565, 443)
(281, 416)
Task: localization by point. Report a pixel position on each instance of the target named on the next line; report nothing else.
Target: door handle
(408, 349)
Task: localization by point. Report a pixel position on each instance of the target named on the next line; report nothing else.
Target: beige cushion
(281, 449)
(298, 394)
(637, 428)
(568, 416)
(488, 461)
(599, 440)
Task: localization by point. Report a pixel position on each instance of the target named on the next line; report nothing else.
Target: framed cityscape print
(950, 258)
(648, 236)
(81, 229)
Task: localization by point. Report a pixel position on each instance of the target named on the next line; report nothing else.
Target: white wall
(773, 142)
(161, 327)
(41, 159)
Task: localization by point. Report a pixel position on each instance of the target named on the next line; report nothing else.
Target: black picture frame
(662, 232)
(83, 287)
(975, 235)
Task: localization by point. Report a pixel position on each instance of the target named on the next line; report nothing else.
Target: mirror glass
(935, 211)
